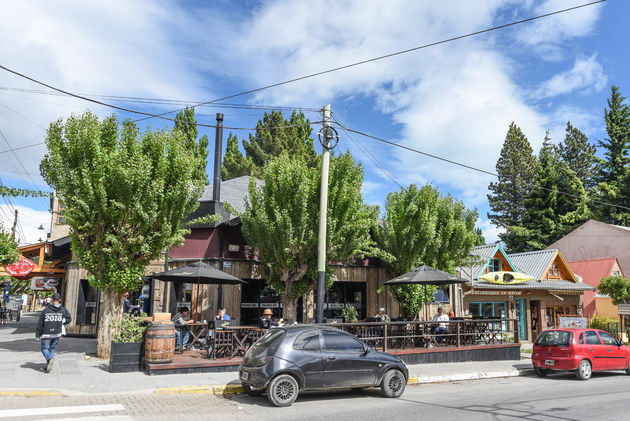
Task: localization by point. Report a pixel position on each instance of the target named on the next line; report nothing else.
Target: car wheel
(283, 390)
(393, 384)
(628, 370)
(584, 370)
(540, 372)
(251, 392)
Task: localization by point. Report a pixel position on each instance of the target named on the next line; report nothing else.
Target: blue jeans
(179, 333)
(48, 348)
(440, 331)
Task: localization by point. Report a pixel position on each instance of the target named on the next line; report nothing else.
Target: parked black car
(290, 359)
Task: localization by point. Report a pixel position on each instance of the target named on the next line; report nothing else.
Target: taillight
(262, 361)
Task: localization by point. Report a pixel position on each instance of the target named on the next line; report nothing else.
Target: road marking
(94, 418)
(59, 410)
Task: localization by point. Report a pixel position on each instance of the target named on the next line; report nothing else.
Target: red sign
(22, 268)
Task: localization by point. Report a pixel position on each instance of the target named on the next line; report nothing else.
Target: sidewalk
(21, 365)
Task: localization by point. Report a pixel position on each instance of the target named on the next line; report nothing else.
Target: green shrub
(130, 328)
(604, 323)
(349, 313)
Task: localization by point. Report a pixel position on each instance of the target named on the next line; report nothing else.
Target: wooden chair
(223, 343)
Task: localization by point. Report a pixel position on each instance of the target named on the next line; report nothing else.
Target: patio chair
(223, 343)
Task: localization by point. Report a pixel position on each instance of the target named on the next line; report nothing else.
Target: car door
(594, 350)
(307, 355)
(615, 356)
(345, 361)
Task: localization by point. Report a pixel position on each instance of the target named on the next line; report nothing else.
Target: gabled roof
(593, 270)
(546, 285)
(534, 263)
(485, 253)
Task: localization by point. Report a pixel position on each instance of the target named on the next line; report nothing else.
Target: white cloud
(29, 220)
(490, 231)
(586, 75)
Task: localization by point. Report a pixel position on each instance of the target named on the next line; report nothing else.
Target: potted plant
(126, 352)
(349, 314)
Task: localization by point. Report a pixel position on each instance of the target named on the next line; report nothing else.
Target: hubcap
(395, 384)
(585, 369)
(284, 390)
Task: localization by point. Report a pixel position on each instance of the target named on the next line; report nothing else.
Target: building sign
(249, 305)
(491, 292)
(572, 322)
(624, 308)
(43, 283)
(227, 265)
(90, 303)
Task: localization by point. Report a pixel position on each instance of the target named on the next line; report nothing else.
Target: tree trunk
(308, 301)
(111, 310)
(289, 311)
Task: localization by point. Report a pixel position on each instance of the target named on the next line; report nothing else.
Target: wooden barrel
(159, 345)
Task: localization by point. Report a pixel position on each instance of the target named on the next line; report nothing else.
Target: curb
(221, 389)
(30, 393)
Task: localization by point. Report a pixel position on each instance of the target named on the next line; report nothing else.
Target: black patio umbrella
(426, 275)
(199, 273)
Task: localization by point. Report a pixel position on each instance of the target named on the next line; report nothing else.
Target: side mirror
(366, 349)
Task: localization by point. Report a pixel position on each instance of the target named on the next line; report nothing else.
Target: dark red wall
(204, 243)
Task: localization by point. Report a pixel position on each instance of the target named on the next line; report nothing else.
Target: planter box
(125, 357)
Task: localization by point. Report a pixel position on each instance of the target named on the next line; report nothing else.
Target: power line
(389, 142)
(358, 63)
(23, 147)
(23, 116)
(129, 110)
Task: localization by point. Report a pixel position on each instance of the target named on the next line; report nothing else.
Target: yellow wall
(605, 307)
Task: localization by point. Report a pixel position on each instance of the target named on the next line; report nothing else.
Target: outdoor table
(197, 330)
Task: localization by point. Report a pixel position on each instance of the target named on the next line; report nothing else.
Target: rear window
(266, 345)
(554, 338)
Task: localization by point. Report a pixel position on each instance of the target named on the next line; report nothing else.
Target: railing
(424, 334)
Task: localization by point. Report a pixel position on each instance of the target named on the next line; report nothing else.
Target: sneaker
(49, 365)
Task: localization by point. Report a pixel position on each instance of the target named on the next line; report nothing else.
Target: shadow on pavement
(33, 366)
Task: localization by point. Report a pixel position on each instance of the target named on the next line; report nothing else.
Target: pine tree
(579, 154)
(612, 169)
(186, 124)
(234, 162)
(516, 168)
(556, 203)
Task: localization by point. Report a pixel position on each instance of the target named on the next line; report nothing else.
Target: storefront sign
(22, 268)
(491, 292)
(249, 305)
(624, 308)
(42, 283)
(227, 265)
(271, 305)
(90, 303)
(572, 322)
(335, 306)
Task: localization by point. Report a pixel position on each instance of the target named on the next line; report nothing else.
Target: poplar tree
(612, 170)
(186, 123)
(516, 168)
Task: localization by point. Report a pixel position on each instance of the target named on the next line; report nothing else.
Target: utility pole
(216, 195)
(14, 224)
(323, 209)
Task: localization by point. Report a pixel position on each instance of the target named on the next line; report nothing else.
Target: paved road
(561, 397)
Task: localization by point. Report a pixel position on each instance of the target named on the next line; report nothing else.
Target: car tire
(540, 372)
(584, 370)
(393, 384)
(251, 392)
(628, 369)
(283, 390)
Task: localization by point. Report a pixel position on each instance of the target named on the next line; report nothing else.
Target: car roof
(299, 328)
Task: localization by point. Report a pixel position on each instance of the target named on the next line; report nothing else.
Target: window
(307, 341)
(60, 218)
(591, 338)
(554, 338)
(608, 339)
(616, 273)
(494, 265)
(581, 339)
(553, 271)
(266, 345)
(339, 342)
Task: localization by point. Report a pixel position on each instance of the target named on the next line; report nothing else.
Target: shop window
(553, 314)
(488, 310)
(342, 294)
(494, 265)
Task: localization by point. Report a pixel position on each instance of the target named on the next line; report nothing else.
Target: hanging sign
(44, 283)
(22, 268)
(506, 278)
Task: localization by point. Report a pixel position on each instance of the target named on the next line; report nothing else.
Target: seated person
(440, 329)
(266, 322)
(382, 316)
(182, 334)
(222, 315)
(128, 306)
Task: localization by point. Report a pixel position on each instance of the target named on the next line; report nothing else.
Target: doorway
(534, 308)
(521, 315)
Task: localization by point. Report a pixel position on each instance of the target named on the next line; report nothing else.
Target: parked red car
(579, 350)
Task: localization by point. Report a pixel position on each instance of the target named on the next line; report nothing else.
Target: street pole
(323, 208)
(14, 224)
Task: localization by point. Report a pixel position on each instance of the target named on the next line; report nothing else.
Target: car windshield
(554, 338)
(267, 344)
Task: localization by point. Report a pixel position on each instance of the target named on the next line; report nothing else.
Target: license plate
(244, 375)
(549, 362)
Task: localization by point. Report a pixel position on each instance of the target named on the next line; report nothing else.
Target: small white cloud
(490, 231)
(586, 75)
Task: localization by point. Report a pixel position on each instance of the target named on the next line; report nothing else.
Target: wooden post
(384, 337)
(517, 339)
(458, 327)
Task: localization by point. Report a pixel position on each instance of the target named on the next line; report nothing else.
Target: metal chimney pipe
(218, 147)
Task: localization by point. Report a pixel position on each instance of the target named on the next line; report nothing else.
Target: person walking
(50, 327)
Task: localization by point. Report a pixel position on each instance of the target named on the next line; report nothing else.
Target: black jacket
(51, 320)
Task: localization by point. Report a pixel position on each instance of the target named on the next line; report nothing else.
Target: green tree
(550, 214)
(234, 162)
(281, 222)
(186, 123)
(124, 195)
(516, 168)
(612, 169)
(422, 227)
(579, 155)
(274, 136)
(9, 250)
(617, 288)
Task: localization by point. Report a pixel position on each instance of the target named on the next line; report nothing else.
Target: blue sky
(454, 100)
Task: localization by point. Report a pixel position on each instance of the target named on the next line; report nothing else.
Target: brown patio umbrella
(426, 275)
